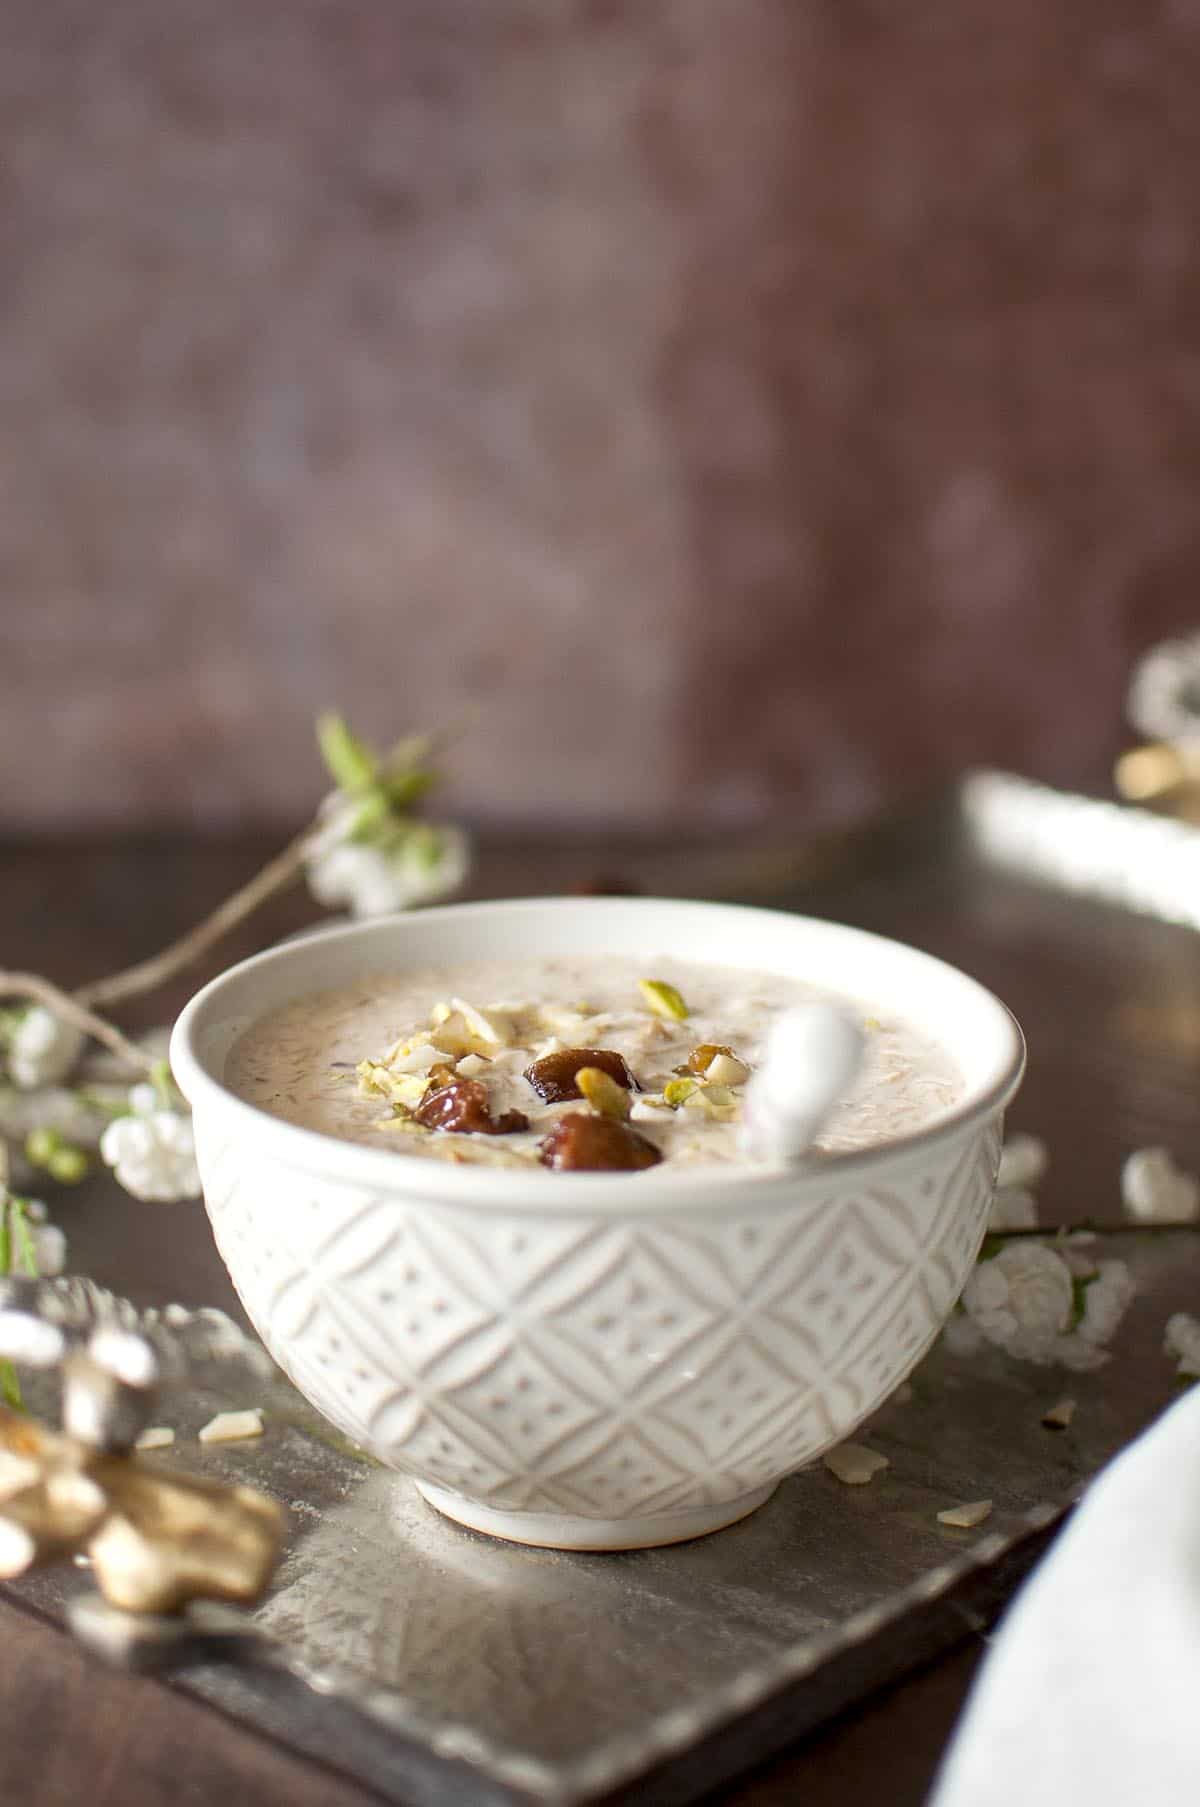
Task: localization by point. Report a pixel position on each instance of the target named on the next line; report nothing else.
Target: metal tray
(438, 1666)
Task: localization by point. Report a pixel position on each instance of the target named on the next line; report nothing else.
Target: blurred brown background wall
(756, 407)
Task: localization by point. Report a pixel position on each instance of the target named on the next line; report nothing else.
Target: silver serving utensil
(812, 1055)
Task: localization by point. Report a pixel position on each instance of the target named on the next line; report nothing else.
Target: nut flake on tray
(663, 1060)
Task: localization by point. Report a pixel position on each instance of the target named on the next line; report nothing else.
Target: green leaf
(11, 1018)
(103, 1107)
(406, 788)
(164, 1085)
(1079, 1286)
(12, 1218)
(26, 1248)
(425, 845)
(352, 765)
(10, 1387)
(372, 814)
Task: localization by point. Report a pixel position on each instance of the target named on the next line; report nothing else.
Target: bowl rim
(545, 1193)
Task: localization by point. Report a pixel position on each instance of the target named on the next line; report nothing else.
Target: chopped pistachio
(966, 1517)
(855, 1464)
(871, 1024)
(678, 1091)
(663, 999)
(1059, 1416)
(602, 1092)
(726, 1069)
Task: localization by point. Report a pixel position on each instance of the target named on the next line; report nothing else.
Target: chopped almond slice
(155, 1436)
(406, 1089)
(647, 1108)
(489, 1025)
(408, 1054)
(1059, 1416)
(230, 1427)
(965, 1518)
(854, 1463)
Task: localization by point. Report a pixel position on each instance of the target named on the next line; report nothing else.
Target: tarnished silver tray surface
(437, 1666)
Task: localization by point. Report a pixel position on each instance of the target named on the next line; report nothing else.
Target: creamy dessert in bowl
(521, 1076)
(562, 1345)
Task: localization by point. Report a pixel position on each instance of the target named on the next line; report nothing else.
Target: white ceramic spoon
(811, 1058)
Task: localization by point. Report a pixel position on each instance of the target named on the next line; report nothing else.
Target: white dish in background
(586, 1360)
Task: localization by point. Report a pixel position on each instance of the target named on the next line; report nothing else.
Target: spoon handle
(812, 1056)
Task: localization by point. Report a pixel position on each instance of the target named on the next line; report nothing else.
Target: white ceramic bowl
(598, 1361)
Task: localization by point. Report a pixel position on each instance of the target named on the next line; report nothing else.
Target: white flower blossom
(1013, 1209)
(1154, 1190)
(153, 1152)
(374, 881)
(43, 1049)
(49, 1248)
(1106, 1299)
(1182, 1340)
(962, 1335)
(1023, 1301)
(1023, 1162)
(1163, 692)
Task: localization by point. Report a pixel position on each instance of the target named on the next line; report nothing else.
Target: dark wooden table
(1111, 1007)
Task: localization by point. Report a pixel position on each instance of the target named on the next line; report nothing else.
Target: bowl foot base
(564, 1531)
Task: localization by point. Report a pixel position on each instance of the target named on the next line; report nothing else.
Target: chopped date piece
(463, 1106)
(553, 1076)
(596, 1144)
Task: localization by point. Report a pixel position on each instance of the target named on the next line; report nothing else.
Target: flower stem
(31, 985)
(275, 876)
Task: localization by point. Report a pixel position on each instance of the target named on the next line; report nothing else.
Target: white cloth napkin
(1091, 1695)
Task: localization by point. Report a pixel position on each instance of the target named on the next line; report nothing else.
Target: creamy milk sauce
(300, 1062)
